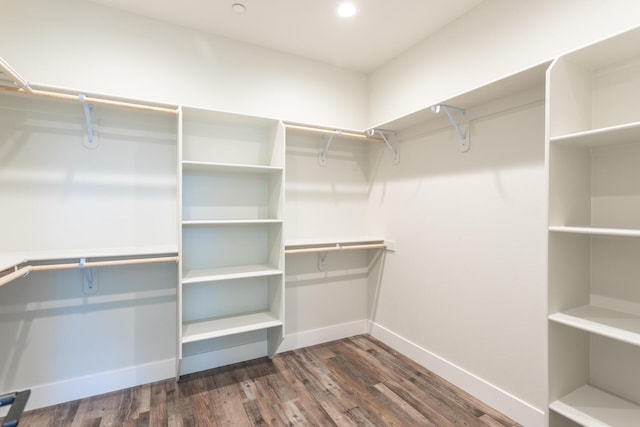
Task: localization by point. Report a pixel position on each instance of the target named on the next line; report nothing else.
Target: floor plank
(357, 381)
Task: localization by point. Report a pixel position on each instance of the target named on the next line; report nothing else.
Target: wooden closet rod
(102, 263)
(23, 87)
(336, 248)
(15, 275)
(29, 268)
(88, 99)
(337, 132)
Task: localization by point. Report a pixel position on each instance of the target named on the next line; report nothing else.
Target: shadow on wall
(51, 331)
(499, 141)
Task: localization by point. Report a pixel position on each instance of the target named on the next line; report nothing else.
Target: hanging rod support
(323, 156)
(382, 133)
(464, 142)
(88, 108)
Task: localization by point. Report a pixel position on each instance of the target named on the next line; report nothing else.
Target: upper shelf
(7, 259)
(325, 241)
(620, 134)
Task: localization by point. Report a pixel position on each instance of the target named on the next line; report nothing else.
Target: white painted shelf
(602, 231)
(220, 327)
(229, 273)
(230, 221)
(621, 134)
(119, 252)
(609, 323)
(591, 407)
(228, 167)
(10, 260)
(324, 241)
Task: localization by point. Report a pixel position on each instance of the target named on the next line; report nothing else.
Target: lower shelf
(201, 330)
(589, 406)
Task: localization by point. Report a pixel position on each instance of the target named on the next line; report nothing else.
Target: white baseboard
(223, 357)
(104, 382)
(322, 335)
(511, 406)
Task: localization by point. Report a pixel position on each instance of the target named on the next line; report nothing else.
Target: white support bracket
(322, 260)
(323, 156)
(382, 133)
(463, 145)
(92, 140)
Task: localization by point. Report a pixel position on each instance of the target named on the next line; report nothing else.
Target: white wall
(59, 196)
(77, 44)
(326, 201)
(493, 40)
(468, 281)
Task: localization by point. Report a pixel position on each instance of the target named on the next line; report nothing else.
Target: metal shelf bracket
(323, 156)
(383, 134)
(463, 146)
(92, 140)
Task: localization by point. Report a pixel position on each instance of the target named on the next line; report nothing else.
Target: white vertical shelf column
(231, 233)
(593, 146)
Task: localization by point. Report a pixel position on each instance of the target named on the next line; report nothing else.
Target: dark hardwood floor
(354, 381)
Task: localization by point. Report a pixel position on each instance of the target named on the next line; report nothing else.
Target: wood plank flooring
(356, 381)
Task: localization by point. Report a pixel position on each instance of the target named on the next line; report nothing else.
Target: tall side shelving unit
(231, 232)
(593, 146)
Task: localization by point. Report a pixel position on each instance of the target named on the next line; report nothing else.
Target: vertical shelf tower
(593, 146)
(231, 290)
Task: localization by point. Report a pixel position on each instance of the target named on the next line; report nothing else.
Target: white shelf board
(325, 241)
(188, 165)
(622, 232)
(10, 260)
(229, 273)
(589, 406)
(220, 327)
(621, 134)
(609, 323)
(229, 221)
(127, 251)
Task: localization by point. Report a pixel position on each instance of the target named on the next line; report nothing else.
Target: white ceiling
(380, 31)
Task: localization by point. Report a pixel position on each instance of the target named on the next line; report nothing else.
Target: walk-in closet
(428, 216)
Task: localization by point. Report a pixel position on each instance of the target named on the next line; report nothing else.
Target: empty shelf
(219, 327)
(602, 321)
(229, 273)
(228, 167)
(600, 137)
(622, 232)
(229, 221)
(589, 406)
(323, 241)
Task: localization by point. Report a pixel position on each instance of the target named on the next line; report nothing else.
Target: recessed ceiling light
(238, 8)
(346, 10)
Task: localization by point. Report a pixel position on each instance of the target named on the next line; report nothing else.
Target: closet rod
(337, 132)
(15, 275)
(89, 99)
(23, 87)
(102, 263)
(337, 247)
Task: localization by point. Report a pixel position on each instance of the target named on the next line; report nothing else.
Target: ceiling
(381, 30)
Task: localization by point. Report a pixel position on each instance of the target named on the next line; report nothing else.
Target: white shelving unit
(232, 248)
(593, 120)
